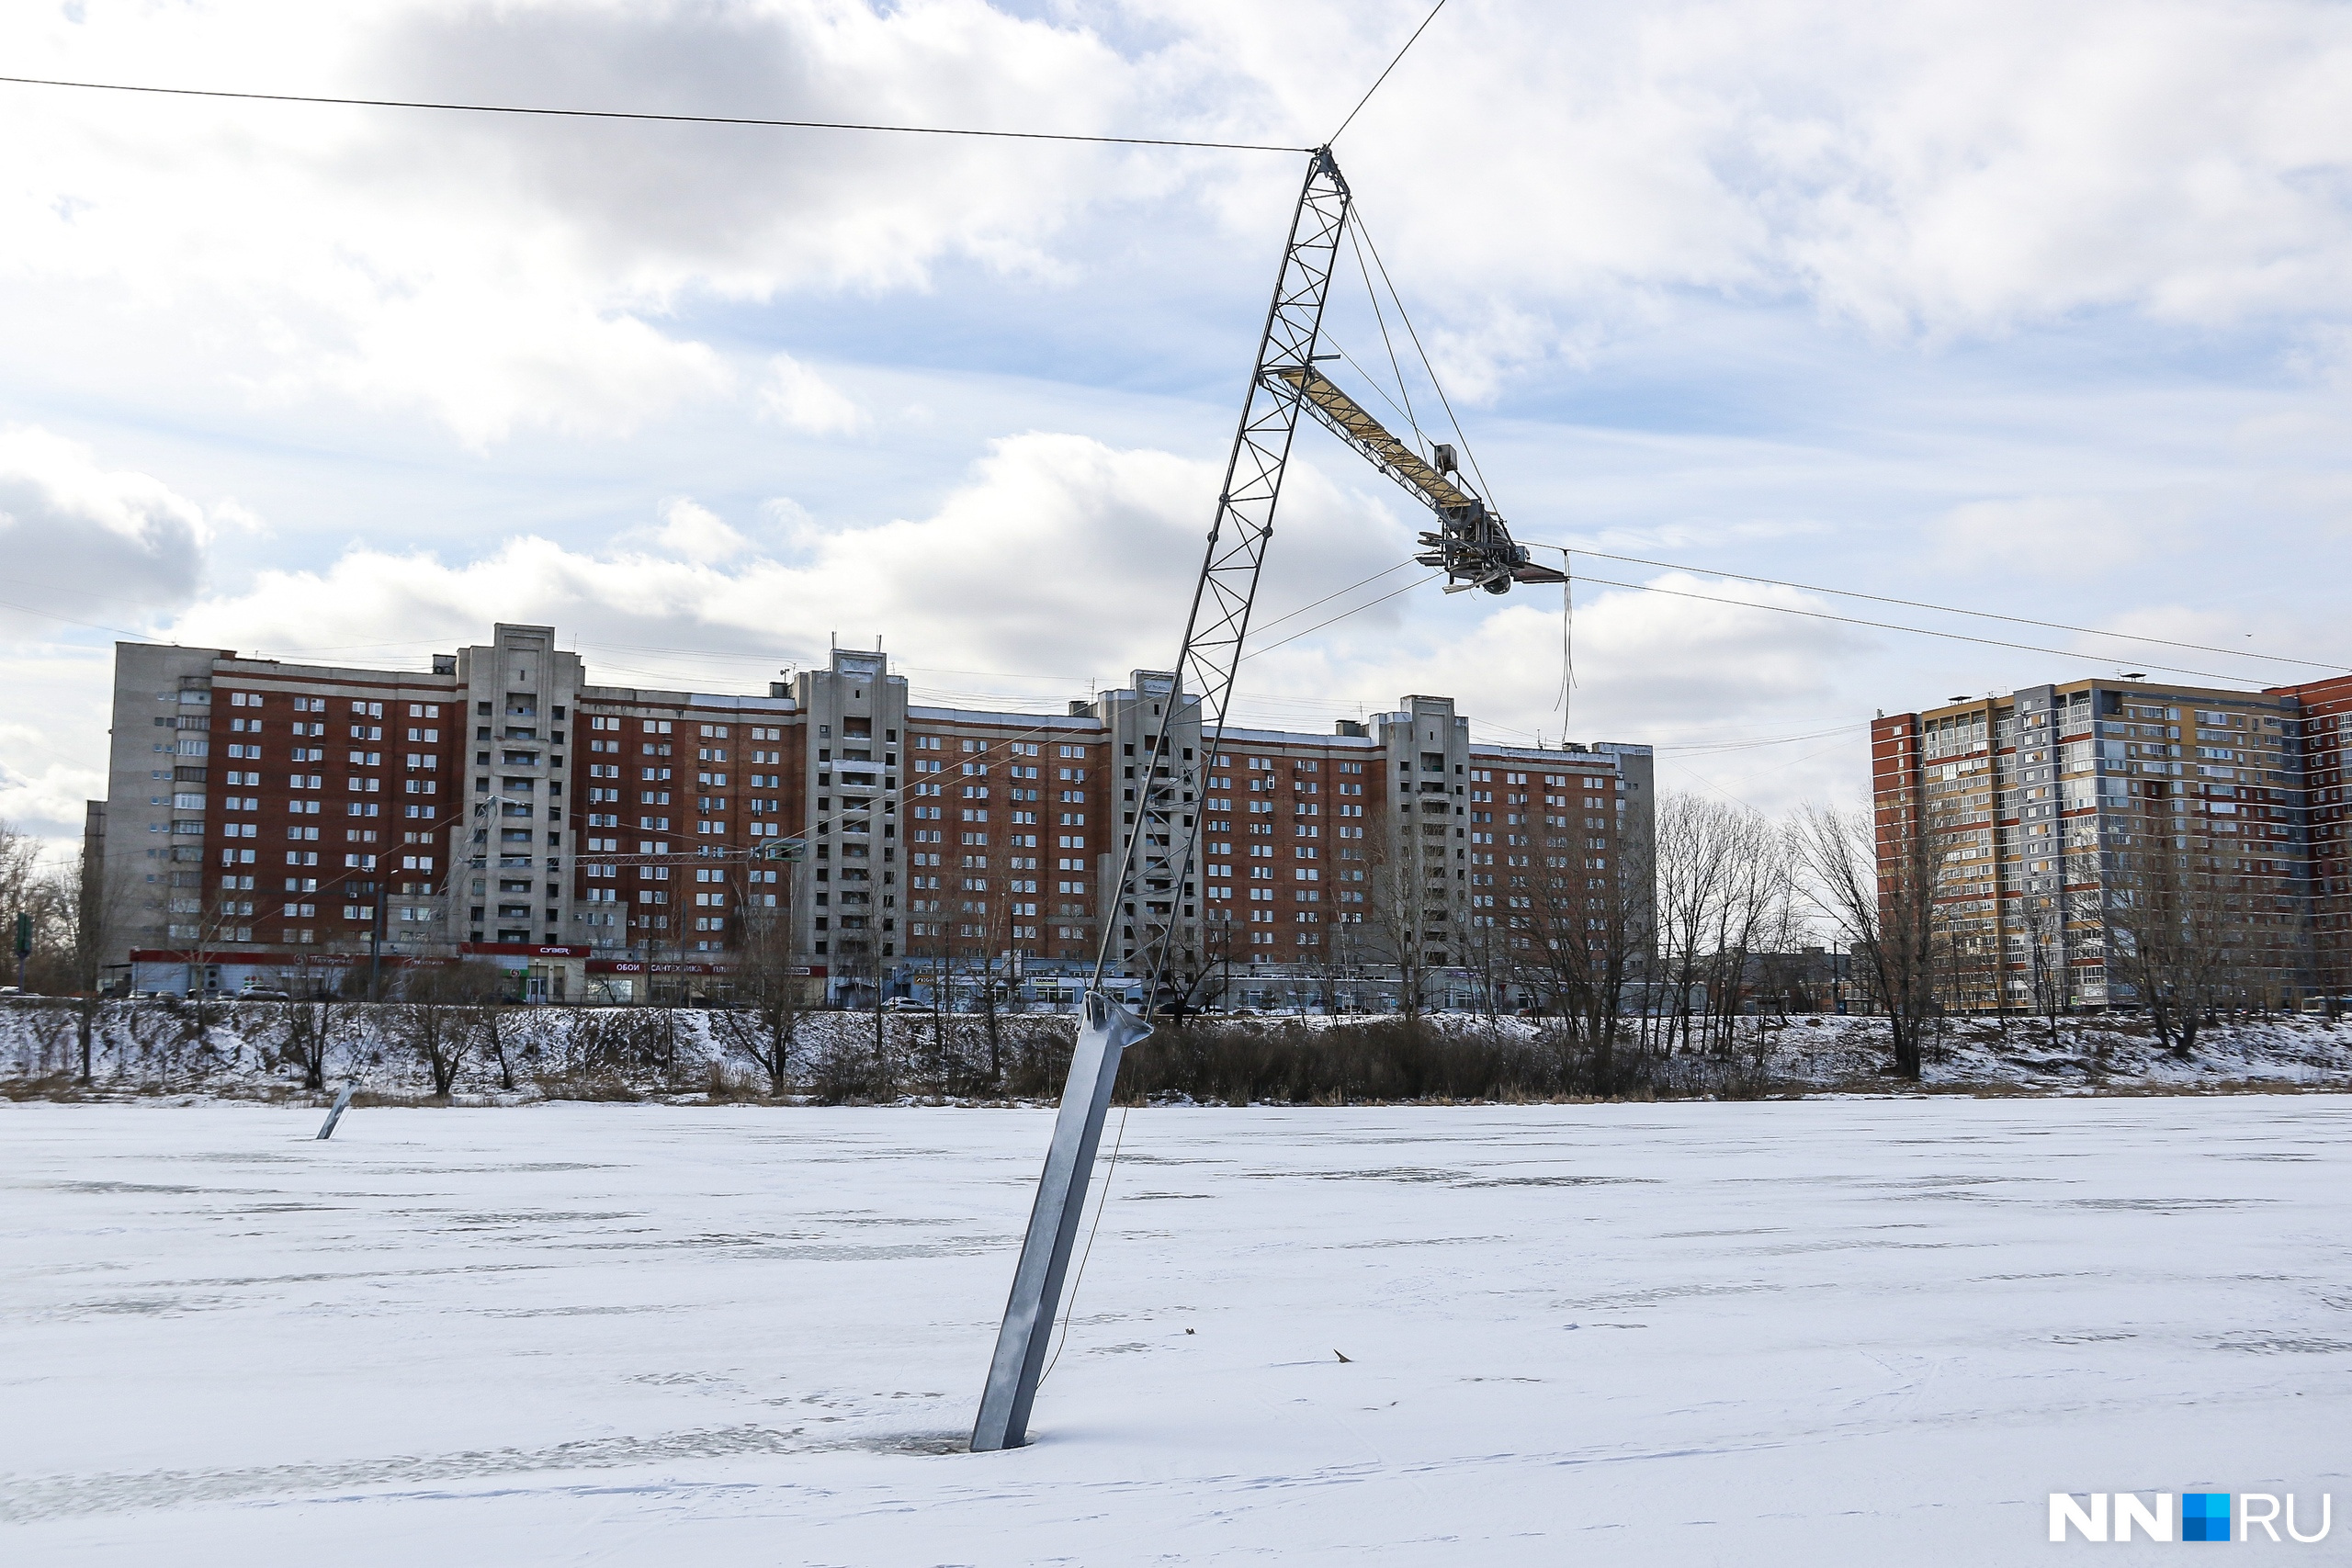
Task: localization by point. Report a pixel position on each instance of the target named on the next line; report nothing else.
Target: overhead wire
(1417, 582)
(641, 115)
(1327, 338)
(1885, 625)
(1384, 75)
(1355, 216)
(1293, 614)
(1942, 609)
(1355, 242)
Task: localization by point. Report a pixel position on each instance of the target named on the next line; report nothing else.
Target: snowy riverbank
(248, 1051)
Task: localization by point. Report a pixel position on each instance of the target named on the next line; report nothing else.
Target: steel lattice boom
(1475, 549)
(1473, 543)
(1169, 793)
(1228, 589)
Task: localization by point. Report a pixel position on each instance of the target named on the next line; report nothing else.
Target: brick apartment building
(2052, 806)
(264, 819)
(2326, 707)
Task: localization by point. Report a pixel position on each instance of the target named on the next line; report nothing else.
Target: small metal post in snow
(342, 1104)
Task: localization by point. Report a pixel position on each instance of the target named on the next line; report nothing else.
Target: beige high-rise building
(2055, 814)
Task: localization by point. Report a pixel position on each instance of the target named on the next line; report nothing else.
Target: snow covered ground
(1848, 1331)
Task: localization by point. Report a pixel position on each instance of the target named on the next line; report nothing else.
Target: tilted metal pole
(1106, 1031)
(342, 1104)
(1223, 598)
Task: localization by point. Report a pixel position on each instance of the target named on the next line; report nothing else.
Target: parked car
(264, 994)
(905, 1004)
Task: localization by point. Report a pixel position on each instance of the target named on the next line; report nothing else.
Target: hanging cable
(1417, 582)
(1356, 241)
(1384, 75)
(1952, 610)
(1884, 626)
(645, 116)
(1471, 456)
(1567, 639)
(1370, 381)
(1293, 614)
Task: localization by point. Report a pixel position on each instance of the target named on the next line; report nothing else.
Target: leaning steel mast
(1160, 840)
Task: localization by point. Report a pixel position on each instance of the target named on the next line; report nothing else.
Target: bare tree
(1874, 877)
(2044, 918)
(774, 997)
(2169, 933)
(1581, 939)
(446, 1011)
(1403, 913)
(1723, 878)
(487, 992)
(315, 1012)
(49, 896)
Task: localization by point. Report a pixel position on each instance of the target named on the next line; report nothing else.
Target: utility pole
(376, 951)
(24, 946)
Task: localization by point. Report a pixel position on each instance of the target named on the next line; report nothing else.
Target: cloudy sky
(2042, 310)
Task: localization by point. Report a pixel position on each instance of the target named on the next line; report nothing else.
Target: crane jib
(1473, 544)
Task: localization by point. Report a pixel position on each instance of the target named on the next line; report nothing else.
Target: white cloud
(89, 543)
(798, 397)
(694, 532)
(2066, 533)
(53, 744)
(1936, 166)
(1940, 167)
(500, 274)
(1058, 554)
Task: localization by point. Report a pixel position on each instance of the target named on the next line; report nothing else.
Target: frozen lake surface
(1823, 1333)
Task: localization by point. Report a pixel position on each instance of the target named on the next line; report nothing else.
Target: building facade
(2050, 819)
(266, 818)
(2326, 714)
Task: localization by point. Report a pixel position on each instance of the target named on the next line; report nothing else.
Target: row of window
(359, 708)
